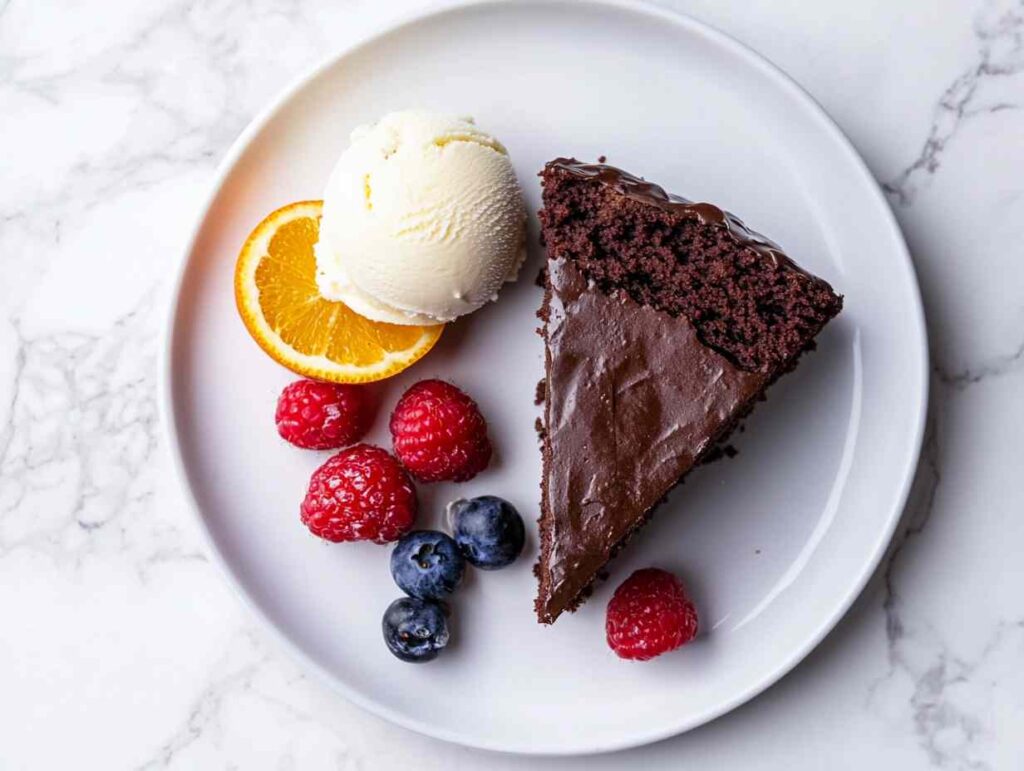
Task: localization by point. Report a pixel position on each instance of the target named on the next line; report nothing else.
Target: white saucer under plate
(774, 544)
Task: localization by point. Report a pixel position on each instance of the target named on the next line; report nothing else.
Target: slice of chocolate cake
(664, 322)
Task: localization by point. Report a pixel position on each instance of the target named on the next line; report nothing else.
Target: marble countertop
(120, 642)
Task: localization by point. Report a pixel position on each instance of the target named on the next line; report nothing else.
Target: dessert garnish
(487, 532)
(415, 630)
(323, 416)
(649, 614)
(427, 564)
(281, 306)
(439, 433)
(360, 494)
(488, 529)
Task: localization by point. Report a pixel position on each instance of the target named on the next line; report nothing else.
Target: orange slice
(276, 293)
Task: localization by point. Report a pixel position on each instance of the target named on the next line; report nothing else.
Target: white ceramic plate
(774, 544)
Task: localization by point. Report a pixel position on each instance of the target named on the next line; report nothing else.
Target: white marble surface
(120, 646)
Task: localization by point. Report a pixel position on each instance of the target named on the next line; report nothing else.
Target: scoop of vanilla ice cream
(423, 220)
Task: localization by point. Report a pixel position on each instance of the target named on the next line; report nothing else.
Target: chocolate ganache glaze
(634, 399)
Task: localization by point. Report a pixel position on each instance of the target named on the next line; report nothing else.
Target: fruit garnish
(415, 630)
(439, 433)
(488, 530)
(277, 296)
(360, 494)
(427, 564)
(648, 615)
(322, 416)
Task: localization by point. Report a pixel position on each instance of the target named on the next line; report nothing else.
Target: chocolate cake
(664, 321)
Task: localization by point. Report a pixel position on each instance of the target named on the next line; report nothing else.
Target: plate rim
(166, 376)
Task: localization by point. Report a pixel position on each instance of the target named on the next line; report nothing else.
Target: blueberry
(415, 630)
(488, 530)
(427, 564)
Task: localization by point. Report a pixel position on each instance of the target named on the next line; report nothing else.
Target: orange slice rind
(278, 299)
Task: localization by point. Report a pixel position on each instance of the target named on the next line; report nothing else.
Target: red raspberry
(439, 433)
(360, 494)
(322, 416)
(648, 615)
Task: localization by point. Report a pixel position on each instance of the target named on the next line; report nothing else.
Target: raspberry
(360, 494)
(439, 433)
(322, 416)
(648, 615)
